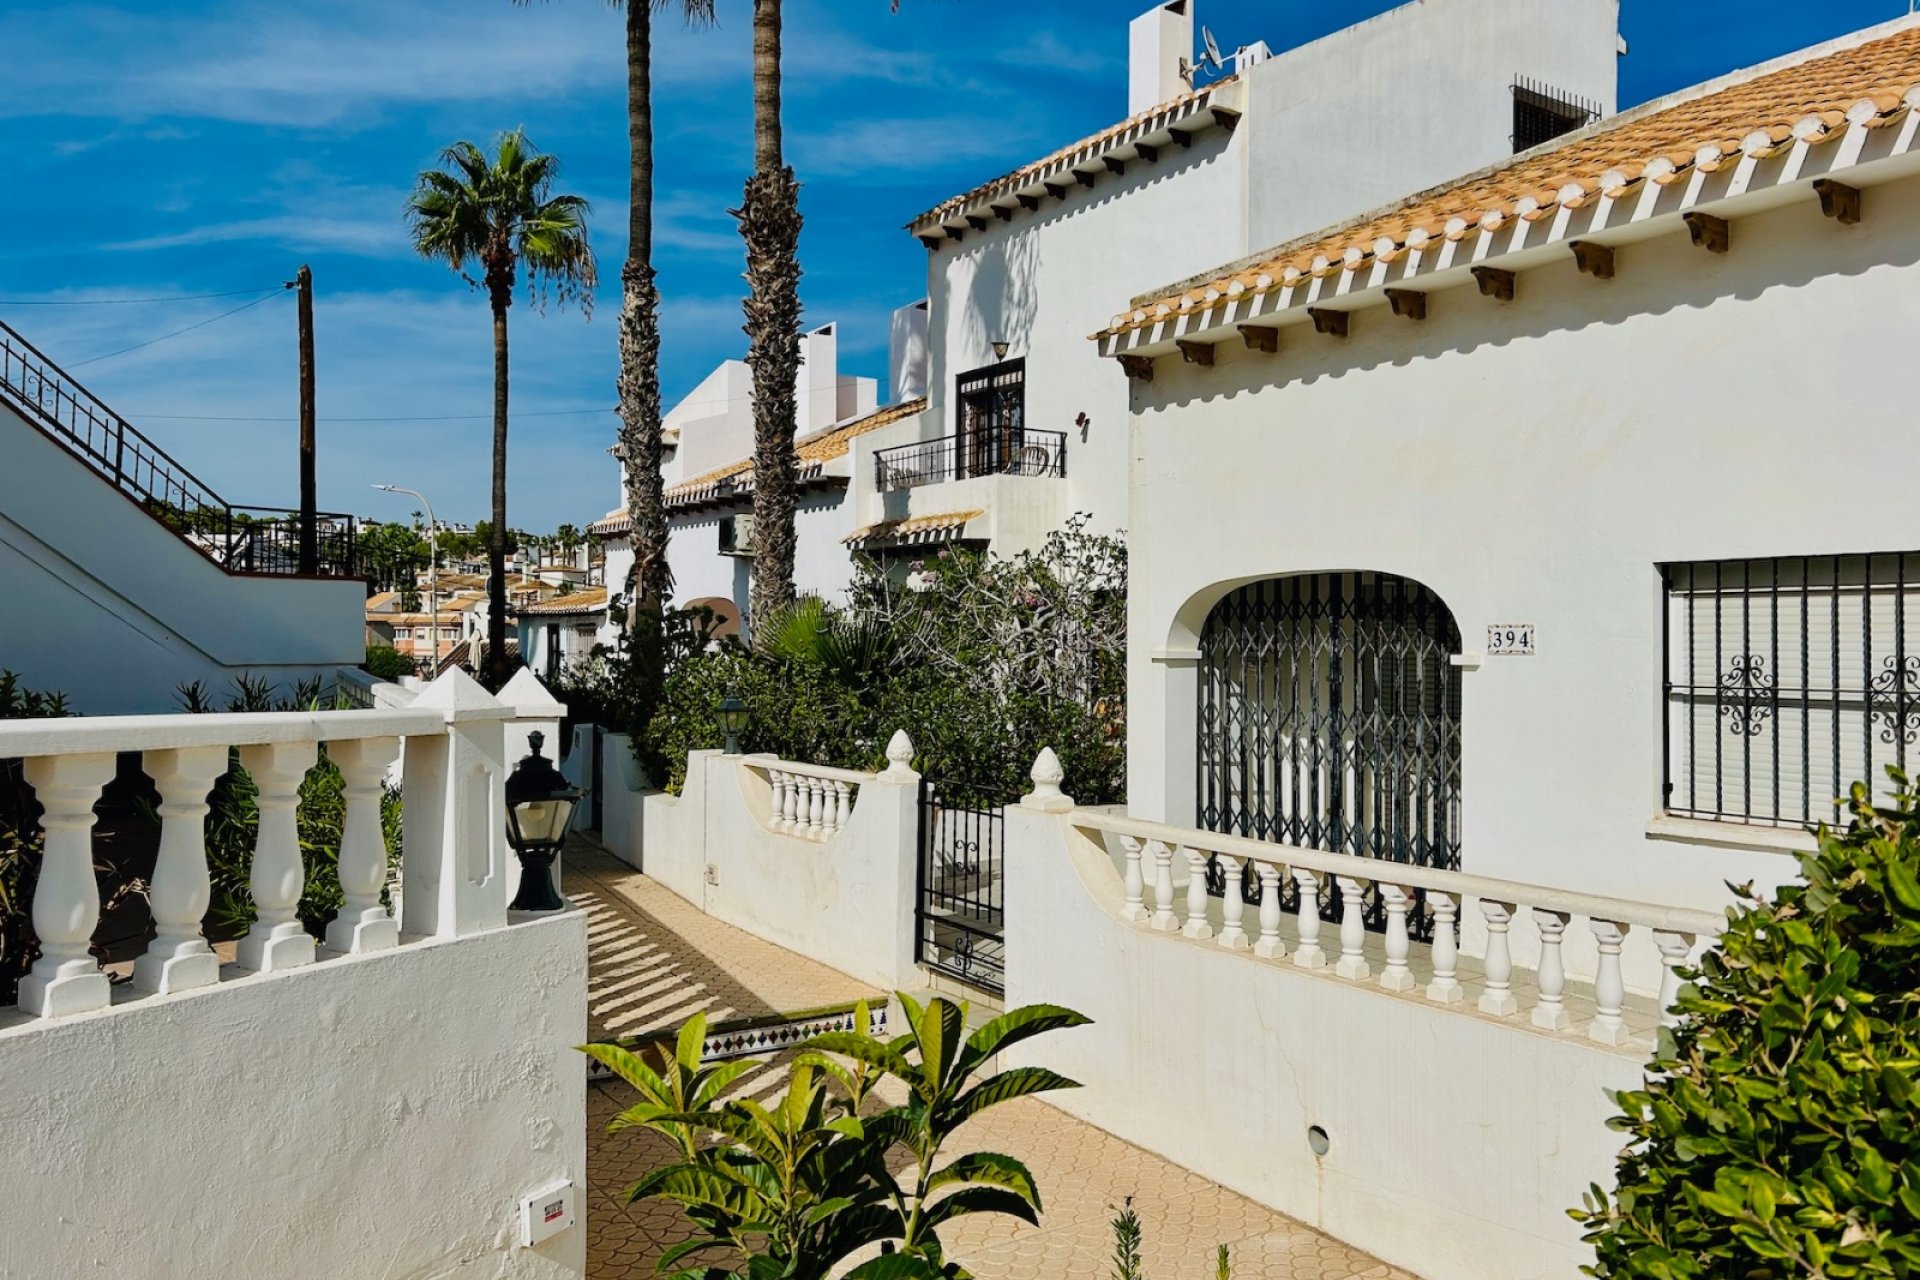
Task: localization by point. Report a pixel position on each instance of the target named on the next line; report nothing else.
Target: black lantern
(540, 804)
(732, 715)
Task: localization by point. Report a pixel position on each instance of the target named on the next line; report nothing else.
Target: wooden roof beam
(1226, 118)
(1495, 283)
(1838, 200)
(1058, 193)
(1115, 165)
(1145, 152)
(1408, 303)
(1335, 324)
(1027, 202)
(1593, 259)
(1084, 178)
(1713, 234)
(1260, 337)
(1200, 353)
(1139, 368)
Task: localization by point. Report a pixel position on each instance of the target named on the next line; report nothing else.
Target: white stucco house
(139, 578)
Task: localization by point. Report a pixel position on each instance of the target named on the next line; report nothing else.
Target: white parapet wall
(1439, 1111)
(821, 861)
(374, 1101)
(368, 1116)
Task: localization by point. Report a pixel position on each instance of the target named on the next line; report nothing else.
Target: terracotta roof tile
(1170, 112)
(592, 600)
(811, 451)
(941, 527)
(1871, 82)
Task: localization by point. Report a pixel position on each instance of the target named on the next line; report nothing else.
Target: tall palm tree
(769, 217)
(499, 213)
(639, 445)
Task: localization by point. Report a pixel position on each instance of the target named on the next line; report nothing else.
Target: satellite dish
(1214, 59)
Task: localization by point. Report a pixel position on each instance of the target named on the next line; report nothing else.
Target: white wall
(357, 1117)
(847, 902)
(105, 603)
(1403, 101)
(1457, 1143)
(822, 565)
(1364, 117)
(1534, 462)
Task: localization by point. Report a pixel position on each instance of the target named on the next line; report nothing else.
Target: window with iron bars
(1542, 113)
(1787, 680)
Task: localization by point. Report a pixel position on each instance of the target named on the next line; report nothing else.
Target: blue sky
(200, 146)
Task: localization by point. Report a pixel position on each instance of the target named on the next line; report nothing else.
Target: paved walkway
(655, 961)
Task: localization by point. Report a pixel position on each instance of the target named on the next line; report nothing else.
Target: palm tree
(639, 446)
(500, 213)
(769, 217)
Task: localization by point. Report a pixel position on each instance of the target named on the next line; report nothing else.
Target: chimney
(907, 352)
(1159, 55)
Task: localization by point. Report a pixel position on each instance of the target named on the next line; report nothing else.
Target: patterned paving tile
(655, 960)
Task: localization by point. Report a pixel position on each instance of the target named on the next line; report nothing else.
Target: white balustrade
(1197, 926)
(1135, 909)
(450, 861)
(1147, 851)
(814, 802)
(1233, 935)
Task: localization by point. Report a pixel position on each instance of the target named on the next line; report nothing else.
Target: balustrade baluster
(66, 901)
(1609, 986)
(1551, 1011)
(795, 810)
(1498, 999)
(1674, 949)
(842, 806)
(1308, 955)
(817, 808)
(178, 958)
(1196, 927)
(1270, 947)
(1353, 964)
(1163, 918)
(1233, 935)
(1135, 909)
(1445, 987)
(277, 940)
(1395, 975)
(777, 804)
(363, 923)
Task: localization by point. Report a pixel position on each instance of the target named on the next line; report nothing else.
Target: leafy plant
(796, 1189)
(1775, 1135)
(1126, 1243)
(384, 662)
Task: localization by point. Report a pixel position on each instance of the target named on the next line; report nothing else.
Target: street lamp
(732, 715)
(540, 804)
(433, 569)
(1000, 349)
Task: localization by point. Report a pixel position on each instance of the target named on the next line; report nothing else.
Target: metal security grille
(1330, 719)
(960, 918)
(1787, 681)
(1542, 113)
(993, 404)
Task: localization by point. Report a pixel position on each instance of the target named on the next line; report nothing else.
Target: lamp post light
(732, 715)
(540, 804)
(433, 571)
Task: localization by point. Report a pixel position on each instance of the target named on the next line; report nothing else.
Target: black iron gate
(959, 916)
(1330, 719)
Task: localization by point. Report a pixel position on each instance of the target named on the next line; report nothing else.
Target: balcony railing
(454, 745)
(1012, 453)
(238, 539)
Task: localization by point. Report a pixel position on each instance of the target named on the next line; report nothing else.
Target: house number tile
(1510, 640)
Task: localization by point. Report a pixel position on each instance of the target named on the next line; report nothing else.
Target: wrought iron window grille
(1542, 113)
(1786, 680)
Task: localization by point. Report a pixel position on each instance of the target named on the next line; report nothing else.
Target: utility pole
(309, 484)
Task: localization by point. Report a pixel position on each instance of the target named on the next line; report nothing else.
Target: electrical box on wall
(546, 1213)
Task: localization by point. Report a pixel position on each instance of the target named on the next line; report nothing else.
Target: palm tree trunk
(639, 444)
(770, 223)
(499, 671)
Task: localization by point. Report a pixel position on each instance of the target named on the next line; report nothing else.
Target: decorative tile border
(768, 1034)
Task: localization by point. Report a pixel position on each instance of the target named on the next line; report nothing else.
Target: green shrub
(795, 1188)
(384, 662)
(1776, 1135)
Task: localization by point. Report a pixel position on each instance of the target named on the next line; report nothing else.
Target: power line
(128, 302)
(177, 332)
(423, 417)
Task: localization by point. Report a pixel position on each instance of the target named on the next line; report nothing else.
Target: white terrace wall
(845, 898)
(1457, 1140)
(373, 1105)
(369, 1116)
